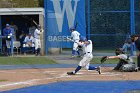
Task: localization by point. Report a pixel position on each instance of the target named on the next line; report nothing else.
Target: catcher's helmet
(72, 28)
(82, 38)
(119, 51)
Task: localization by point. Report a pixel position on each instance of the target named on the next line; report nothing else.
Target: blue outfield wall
(60, 15)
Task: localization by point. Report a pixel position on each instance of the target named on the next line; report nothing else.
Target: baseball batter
(37, 42)
(85, 62)
(75, 37)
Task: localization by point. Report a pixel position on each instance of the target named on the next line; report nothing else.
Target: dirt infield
(14, 79)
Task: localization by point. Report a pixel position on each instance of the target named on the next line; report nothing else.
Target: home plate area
(19, 78)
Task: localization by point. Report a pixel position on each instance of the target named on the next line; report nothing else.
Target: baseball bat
(35, 22)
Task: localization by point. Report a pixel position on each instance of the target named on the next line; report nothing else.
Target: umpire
(136, 38)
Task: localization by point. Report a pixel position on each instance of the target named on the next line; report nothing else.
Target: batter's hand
(8, 37)
(69, 39)
(103, 59)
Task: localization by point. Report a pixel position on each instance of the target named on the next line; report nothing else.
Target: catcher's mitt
(103, 59)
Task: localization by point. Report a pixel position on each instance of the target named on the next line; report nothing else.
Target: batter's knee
(87, 67)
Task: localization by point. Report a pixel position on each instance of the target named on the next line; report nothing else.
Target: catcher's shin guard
(118, 66)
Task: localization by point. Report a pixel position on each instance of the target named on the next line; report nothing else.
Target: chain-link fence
(111, 21)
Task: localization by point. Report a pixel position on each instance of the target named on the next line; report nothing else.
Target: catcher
(125, 62)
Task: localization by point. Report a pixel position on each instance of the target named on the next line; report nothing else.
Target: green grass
(104, 50)
(45, 60)
(3, 80)
(109, 61)
(25, 60)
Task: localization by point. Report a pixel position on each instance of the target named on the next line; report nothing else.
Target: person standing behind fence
(7, 31)
(127, 44)
(14, 30)
(136, 38)
(32, 29)
(37, 41)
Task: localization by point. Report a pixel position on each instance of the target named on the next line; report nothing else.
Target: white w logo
(59, 13)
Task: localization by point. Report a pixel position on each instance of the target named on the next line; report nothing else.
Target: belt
(87, 52)
(76, 40)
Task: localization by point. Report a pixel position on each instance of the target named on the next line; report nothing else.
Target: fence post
(132, 25)
(88, 19)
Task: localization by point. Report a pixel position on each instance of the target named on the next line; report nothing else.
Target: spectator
(136, 38)
(21, 39)
(7, 31)
(29, 43)
(14, 30)
(127, 44)
(32, 29)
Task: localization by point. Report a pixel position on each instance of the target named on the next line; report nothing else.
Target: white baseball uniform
(29, 40)
(37, 39)
(75, 35)
(87, 50)
(125, 57)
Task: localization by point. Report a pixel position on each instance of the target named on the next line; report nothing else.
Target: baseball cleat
(73, 56)
(79, 56)
(99, 69)
(70, 73)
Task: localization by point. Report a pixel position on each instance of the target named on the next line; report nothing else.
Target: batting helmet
(38, 26)
(72, 28)
(82, 38)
